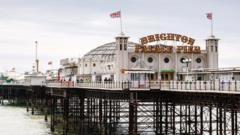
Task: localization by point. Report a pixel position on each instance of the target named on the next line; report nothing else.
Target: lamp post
(37, 60)
(187, 61)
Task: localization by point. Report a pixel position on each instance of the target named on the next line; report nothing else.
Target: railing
(230, 86)
(97, 85)
(208, 86)
(103, 85)
(15, 83)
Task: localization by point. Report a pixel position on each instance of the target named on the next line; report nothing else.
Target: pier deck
(122, 108)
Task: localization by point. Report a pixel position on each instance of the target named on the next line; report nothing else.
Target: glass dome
(106, 52)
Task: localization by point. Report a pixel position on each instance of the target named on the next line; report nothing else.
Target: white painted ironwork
(188, 86)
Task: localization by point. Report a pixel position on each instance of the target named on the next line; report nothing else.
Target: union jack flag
(209, 16)
(115, 14)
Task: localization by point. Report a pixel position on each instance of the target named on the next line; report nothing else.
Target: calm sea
(16, 121)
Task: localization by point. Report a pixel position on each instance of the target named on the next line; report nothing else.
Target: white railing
(217, 86)
(102, 85)
(15, 83)
(61, 84)
(97, 85)
(231, 86)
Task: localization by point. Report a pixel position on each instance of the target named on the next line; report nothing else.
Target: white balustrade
(208, 86)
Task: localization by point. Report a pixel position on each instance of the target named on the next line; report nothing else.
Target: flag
(209, 16)
(115, 14)
(50, 63)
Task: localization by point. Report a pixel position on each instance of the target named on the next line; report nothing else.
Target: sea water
(16, 121)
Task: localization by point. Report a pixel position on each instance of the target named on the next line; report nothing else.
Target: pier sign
(187, 47)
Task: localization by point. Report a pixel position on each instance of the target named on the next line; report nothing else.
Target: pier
(164, 107)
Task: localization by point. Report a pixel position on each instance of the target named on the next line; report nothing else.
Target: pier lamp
(37, 60)
(187, 61)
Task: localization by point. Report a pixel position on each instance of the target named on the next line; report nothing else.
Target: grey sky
(70, 28)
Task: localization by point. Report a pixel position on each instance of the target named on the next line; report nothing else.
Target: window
(211, 48)
(150, 59)
(85, 65)
(171, 76)
(125, 46)
(166, 60)
(120, 46)
(198, 60)
(162, 77)
(152, 76)
(133, 59)
(199, 78)
(216, 48)
(182, 60)
(166, 76)
(94, 65)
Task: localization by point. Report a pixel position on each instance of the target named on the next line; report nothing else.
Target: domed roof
(105, 52)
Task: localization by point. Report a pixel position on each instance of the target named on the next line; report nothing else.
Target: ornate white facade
(119, 61)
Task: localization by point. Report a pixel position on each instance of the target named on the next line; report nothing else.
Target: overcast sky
(70, 28)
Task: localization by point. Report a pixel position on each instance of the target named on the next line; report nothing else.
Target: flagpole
(121, 22)
(212, 27)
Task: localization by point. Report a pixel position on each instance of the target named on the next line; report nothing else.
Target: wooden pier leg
(27, 104)
(217, 121)
(94, 112)
(166, 117)
(180, 120)
(210, 120)
(160, 118)
(65, 115)
(201, 120)
(88, 112)
(118, 109)
(46, 108)
(100, 114)
(133, 114)
(195, 120)
(81, 128)
(220, 122)
(1, 95)
(114, 113)
(236, 122)
(225, 122)
(110, 117)
(173, 119)
(232, 120)
(0, 99)
(186, 119)
(105, 117)
(53, 105)
(32, 105)
(157, 117)
(189, 119)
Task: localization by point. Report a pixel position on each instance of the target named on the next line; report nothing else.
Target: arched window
(150, 59)
(198, 60)
(182, 60)
(133, 59)
(166, 60)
